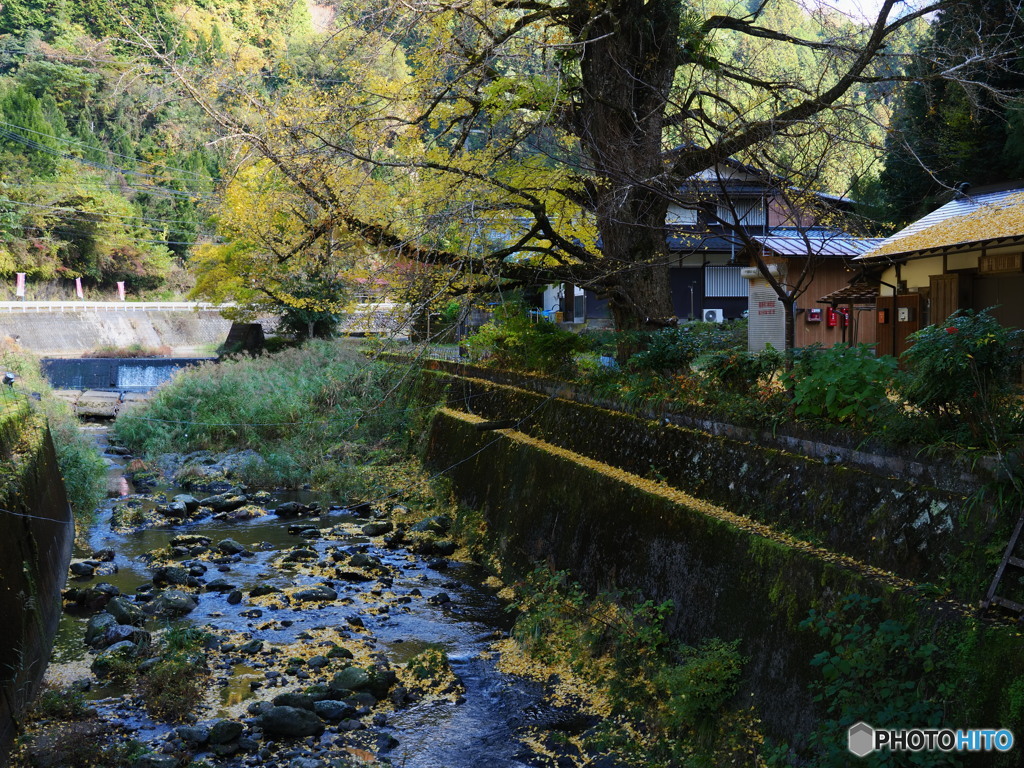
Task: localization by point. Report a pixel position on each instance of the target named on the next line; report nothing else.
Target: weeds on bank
(319, 414)
(81, 464)
(665, 704)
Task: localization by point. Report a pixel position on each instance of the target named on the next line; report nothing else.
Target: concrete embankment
(72, 332)
(745, 539)
(36, 536)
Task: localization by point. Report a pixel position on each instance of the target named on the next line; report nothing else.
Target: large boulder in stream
(296, 509)
(126, 612)
(174, 575)
(318, 593)
(97, 627)
(103, 631)
(172, 602)
(290, 723)
(224, 502)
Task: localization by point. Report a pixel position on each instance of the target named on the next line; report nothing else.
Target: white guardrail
(108, 306)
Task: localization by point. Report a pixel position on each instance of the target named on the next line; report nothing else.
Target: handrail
(109, 306)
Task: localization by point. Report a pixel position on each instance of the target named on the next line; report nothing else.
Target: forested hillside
(105, 173)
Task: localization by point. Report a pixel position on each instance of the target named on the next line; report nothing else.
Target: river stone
(306, 762)
(338, 652)
(189, 540)
(126, 612)
(83, 569)
(318, 662)
(438, 525)
(253, 646)
(174, 509)
(294, 509)
(223, 731)
(155, 761)
(234, 597)
(300, 554)
(230, 547)
(351, 679)
(378, 528)
(297, 700)
(173, 602)
(224, 502)
(191, 502)
(333, 710)
(444, 548)
(175, 575)
(123, 633)
(219, 585)
(290, 722)
(193, 734)
(263, 589)
(363, 560)
(320, 593)
(97, 628)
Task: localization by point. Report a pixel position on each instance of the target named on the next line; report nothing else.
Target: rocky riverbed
(320, 635)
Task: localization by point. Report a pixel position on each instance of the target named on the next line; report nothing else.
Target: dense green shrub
(844, 384)
(512, 340)
(964, 367)
(877, 671)
(673, 350)
(739, 371)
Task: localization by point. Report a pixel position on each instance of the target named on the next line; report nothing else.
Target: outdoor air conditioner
(714, 316)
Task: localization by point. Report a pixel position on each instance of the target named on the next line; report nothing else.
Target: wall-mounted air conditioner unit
(714, 316)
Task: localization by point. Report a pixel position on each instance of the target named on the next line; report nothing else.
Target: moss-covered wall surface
(36, 536)
(717, 541)
(922, 526)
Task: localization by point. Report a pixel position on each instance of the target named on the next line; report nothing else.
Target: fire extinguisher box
(813, 315)
(831, 317)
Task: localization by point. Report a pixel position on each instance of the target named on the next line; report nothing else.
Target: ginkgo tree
(522, 140)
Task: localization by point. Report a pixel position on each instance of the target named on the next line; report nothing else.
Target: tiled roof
(960, 222)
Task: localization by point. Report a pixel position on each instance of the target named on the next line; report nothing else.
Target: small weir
(286, 601)
(133, 374)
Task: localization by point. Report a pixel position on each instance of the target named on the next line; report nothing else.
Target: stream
(333, 585)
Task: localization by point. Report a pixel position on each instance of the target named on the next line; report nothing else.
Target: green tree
(560, 130)
(966, 129)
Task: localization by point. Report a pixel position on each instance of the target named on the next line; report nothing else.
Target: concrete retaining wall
(36, 536)
(71, 334)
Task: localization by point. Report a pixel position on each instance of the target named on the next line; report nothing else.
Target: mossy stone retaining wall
(923, 531)
(36, 536)
(614, 531)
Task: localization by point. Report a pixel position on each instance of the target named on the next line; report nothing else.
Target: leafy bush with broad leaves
(966, 366)
(845, 384)
(513, 341)
(876, 670)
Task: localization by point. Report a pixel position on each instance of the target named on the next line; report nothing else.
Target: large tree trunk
(627, 64)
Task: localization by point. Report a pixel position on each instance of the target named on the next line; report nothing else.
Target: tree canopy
(524, 140)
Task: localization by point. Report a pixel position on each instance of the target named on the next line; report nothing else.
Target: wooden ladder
(1009, 560)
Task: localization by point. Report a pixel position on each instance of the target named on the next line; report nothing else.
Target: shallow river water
(388, 613)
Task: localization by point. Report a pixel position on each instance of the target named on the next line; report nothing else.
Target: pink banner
(120, 290)
(78, 288)
(19, 289)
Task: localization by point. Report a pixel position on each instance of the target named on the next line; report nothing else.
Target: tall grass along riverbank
(321, 415)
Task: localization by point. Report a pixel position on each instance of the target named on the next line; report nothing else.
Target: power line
(107, 151)
(80, 213)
